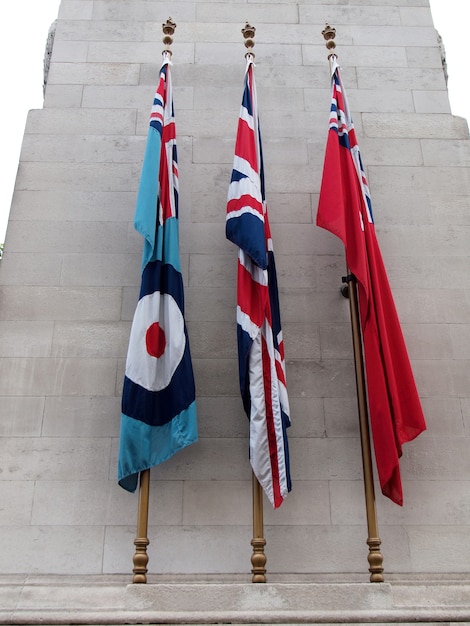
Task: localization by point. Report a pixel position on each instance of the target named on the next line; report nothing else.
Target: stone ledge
(217, 599)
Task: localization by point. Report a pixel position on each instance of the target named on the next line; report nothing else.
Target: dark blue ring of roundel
(156, 408)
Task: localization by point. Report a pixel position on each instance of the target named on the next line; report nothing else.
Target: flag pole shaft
(141, 541)
(258, 558)
(375, 557)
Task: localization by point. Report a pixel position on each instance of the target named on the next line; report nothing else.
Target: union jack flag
(260, 344)
(345, 209)
(158, 400)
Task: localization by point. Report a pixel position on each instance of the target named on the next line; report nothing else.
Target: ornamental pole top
(329, 34)
(249, 33)
(168, 29)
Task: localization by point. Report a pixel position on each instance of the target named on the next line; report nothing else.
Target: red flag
(345, 209)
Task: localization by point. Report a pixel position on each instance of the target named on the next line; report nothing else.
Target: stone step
(108, 600)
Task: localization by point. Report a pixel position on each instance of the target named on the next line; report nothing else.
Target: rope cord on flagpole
(375, 557)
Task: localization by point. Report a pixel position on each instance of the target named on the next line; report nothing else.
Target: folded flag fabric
(158, 400)
(260, 344)
(345, 209)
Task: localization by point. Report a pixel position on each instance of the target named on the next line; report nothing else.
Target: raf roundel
(154, 354)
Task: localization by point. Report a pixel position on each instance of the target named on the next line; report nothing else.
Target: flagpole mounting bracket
(345, 286)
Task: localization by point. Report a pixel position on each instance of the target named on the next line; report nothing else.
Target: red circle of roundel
(155, 340)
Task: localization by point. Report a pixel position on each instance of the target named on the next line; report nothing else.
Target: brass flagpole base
(258, 558)
(375, 559)
(258, 561)
(140, 560)
(141, 541)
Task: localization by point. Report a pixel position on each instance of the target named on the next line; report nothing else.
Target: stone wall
(71, 271)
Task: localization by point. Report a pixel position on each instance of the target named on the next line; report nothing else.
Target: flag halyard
(158, 401)
(345, 209)
(260, 343)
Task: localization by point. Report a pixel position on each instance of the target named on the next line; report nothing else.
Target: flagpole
(141, 541)
(374, 557)
(258, 557)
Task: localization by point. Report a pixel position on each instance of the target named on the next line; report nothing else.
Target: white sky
(22, 43)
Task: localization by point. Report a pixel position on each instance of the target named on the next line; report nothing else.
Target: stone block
(94, 74)
(216, 340)
(24, 268)
(60, 303)
(54, 458)
(438, 502)
(325, 459)
(81, 416)
(17, 501)
(71, 29)
(63, 205)
(426, 459)
(76, 10)
(308, 504)
(21, 416)
(99, 503)
(395, 35)
(25, 338)
(321, 378)
(209, 459)
(217, 503)
(428, 341)
(90, 339)
(70, 51)
(444, 416)
(208, 270)
(431, 102)
(259, 13)
(335, 341)
(401, 79)
(127, 10)
(431, 546)
(338, 15)
(182, 549)
(63, 550)
(80, 122)
(211, 304)
(67, 237)
(341, 417)
(63, 96)
(221, 417)
(358, 56)
(424, 57)
(101, 270)
(423, 126)
(133, 52)
(68, 376)
(322, 548)
(271, 54)
(301, 340)
(307, 416)
(446, 153)
(79, 176)
(415, 16)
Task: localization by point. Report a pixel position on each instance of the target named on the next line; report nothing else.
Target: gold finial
(168, 30)
(249, 33)
(329, 33)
